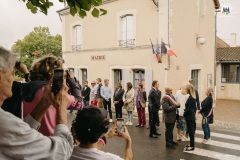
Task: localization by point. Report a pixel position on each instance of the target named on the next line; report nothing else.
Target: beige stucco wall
(226, 90)
(100, 38)
(186, 22)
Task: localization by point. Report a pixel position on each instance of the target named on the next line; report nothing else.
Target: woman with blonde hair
(181, 97)
(207, 114)
(190, 116)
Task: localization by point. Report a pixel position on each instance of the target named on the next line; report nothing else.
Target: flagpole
(168, 37)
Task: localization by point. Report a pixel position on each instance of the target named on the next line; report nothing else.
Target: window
(77, 41)
(194, 77)
(84, 76)
(117, 76)
(127, 31)
(230, 73)
(139, 77)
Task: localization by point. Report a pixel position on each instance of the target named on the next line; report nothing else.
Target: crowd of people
(38, 118)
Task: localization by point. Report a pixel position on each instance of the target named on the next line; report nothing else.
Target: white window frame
(120, 15)
(72, 28)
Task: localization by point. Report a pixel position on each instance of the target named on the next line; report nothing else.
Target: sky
(227, 24)
(16, 21)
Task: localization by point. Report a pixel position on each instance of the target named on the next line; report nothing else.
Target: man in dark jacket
(169, 106)
(154, 106)
(85, 93)
(118, 100)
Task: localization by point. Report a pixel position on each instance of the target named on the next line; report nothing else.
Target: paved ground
(227, 114)
(225, 145)
(228, 111)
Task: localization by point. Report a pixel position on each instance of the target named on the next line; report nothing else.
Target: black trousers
(107, 106)
(149, 112)
(191, 127)
(118, 110)
(169, 132)
(153, 121)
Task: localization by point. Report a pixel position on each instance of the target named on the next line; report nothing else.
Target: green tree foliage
(80, 7)
(37, 43)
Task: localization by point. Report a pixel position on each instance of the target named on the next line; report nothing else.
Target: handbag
(143, 104)
(205, 120)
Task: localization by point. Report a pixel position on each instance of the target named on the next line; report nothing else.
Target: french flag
(168, 50)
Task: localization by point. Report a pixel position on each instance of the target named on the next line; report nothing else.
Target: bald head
(168, 90)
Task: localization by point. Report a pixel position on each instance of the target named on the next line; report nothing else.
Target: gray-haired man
(106, 93)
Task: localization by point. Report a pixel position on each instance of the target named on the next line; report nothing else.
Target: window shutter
(130, 28)
(78, 34)
(76, 73)
(126, 78)
(123, 28)
(148, 80)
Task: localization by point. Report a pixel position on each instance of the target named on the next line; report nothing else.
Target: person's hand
(22, 68)
(178, 104)
(71, 73)
(125, 135)
(48, 96)
(61, 100)
(112, 132)
(198, 112)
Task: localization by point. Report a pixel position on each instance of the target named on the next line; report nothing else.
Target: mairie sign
(98, 57)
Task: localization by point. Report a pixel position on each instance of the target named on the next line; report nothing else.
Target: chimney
(233, 40)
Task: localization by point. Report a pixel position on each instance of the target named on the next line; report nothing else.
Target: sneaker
(127, 123)
(189, 149)
(204, 141)
(184, 139)
(178, 137)
(130, 124)
(110, 120)
(209, 139)
(187, 139)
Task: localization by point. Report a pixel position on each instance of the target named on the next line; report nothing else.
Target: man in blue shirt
(106, 93)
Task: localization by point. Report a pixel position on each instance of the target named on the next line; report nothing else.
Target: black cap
(103, 111)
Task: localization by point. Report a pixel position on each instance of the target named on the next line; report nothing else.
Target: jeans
(130, 116)
(107, 106)
(191, 128)
(206, 130)
(86, 103)
(169, 132)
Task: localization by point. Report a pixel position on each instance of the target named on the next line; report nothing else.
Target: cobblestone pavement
(227, 114)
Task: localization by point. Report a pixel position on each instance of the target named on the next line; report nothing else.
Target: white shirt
(182, 99)
(93, 92)
(20, 140)
(92, 154)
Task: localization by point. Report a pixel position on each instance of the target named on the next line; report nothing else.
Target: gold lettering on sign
(98, 57)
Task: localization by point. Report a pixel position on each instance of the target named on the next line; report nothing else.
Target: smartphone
(58, 76)
(120, 124)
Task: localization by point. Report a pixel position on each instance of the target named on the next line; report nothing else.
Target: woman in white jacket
(129, 103)
(181, 97)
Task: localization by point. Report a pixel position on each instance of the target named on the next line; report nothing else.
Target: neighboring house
(228, 73)
(117, 45)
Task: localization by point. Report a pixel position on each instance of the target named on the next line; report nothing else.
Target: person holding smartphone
(42, 71)
(88, 128)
